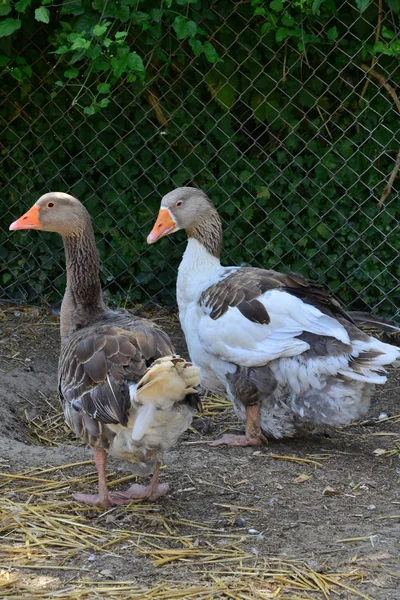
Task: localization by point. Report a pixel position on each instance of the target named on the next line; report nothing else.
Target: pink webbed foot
(93, 500)
(135, 492)
(237, 440)
(140, 492)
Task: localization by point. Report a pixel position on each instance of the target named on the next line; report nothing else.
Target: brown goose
(122, 388)
(283, 349)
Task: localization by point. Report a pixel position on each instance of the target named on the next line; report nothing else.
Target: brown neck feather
(83, 300)
(208, 231)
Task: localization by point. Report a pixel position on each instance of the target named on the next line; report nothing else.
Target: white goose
(282, 347)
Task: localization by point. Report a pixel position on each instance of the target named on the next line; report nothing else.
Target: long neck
(197, 269)
(83, 299)
(208, 231)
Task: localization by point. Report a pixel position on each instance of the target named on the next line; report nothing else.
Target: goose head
(57, 212)
(183, 208)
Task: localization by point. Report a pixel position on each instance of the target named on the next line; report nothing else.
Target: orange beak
(30, 220)
(164, 225)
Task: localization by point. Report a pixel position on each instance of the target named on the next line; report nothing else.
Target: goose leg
(136, 491)
(253, 435)
(103, 497)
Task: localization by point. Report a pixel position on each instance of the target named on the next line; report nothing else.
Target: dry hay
(279, 579)
(42, 532)
(49, 429)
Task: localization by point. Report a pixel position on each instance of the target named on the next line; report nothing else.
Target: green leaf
(120, 35)
(332, 33)
(99, 30)
(18, 74)
(80, 42)
(323, 231)
(282, 34)
(388, 34)
(42, 14)
(196, 46)
(179, 25)
(85, 22)
(22, 5)
(264, 193)
(5, 7)
(226, 96)
(61, 50)
(184, 28)
(362, 4)
(267, 27)
(71, 73)
(99, 5)
(118, 65)
(104, 102)
(89, 110)
(103, 88)
(135, 62)
(8, 26)
(210, 52)
(191, 28)
(288, 20)
(315, 6)
(72, 7)
(122, 13)
(395, 5)
(276, 5)
(140, 18)
(157, 14)
(4, 60)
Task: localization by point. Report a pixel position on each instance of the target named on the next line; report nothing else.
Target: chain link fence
(294, 144)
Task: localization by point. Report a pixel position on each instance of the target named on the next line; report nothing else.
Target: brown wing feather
(242, 288)
(96, 365)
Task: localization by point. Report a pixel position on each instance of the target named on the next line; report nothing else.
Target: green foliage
(362, 4)
(42, 14)
(258, 103)
(9, 26)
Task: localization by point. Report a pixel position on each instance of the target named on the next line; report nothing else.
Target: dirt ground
(306, 518)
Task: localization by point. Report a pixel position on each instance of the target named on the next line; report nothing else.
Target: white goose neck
(196, 270)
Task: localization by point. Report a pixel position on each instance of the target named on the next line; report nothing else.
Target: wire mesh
(295, 147)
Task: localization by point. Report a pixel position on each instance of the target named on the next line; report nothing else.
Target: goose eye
(50, 205)
(179, 203)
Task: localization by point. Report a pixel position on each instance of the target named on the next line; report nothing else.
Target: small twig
(388, 186)
(392, 93)
(325, 124)
(377, 36)
(154, 102)
(383, 82)
(284, 65)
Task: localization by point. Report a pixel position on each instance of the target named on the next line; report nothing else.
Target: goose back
(97, 365)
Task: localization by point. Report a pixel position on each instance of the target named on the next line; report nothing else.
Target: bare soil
(337, 510)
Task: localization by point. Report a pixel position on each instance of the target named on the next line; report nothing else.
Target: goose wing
(252, 316)
(97, 365)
